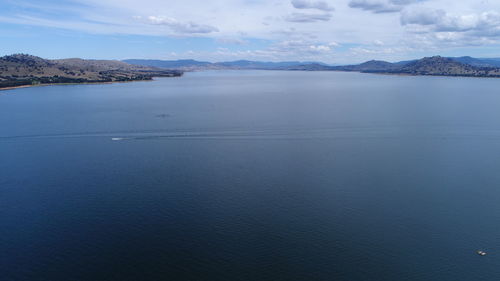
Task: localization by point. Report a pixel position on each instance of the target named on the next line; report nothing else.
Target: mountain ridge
(453, 66)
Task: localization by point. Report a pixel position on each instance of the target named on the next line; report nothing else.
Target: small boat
(116, 139)
(481, 253)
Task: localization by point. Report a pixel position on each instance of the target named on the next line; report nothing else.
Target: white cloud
(308, 4)
(422, 16)
(303, 17)
(181, 27)
(465, 29)
(232, 41)
(440, 20)
(320, 48)
(381, 6)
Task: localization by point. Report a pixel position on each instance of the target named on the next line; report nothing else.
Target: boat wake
(274, 133)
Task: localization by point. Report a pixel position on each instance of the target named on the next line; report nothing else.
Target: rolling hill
(369, 66)
(440, 66)
(436, 66)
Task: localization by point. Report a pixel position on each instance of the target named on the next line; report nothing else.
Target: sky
(329, 31)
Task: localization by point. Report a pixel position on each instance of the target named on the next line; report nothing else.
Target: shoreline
(150, 80)
(430, 75)
(16, 87)
(64, 84)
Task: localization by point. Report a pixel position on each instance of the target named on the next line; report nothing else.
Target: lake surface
(252, 175)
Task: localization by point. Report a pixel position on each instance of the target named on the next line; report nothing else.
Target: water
(252, 175)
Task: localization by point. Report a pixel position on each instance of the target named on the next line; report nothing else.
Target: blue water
(252, 175)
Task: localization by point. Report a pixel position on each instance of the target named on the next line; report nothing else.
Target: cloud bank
(281, 29)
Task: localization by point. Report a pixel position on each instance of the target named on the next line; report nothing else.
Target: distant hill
(245, 64)
(438, 66)
(370, 66)
(193, 65)
(310, 67)
(441, 66)
(459, 66)
(100, 65)
(22, 69)
(483, 62)
(170, 64)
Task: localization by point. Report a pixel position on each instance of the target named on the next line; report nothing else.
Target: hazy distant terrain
(193, 65)
(440, 66)
(21, 69)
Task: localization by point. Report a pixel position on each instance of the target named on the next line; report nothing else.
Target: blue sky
(332, 31)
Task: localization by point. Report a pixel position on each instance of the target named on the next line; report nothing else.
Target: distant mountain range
(370, 66)
(479, 62)
(440, 66)
(193, 65)
(21, 70)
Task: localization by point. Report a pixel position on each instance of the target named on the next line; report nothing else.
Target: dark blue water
(252, 176)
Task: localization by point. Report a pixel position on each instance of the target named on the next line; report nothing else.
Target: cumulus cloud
(181, 27)
(381, 6)
(482, 24)
(428, 27)
(440, 29)
(308, 4)
(303, 47)
(304, 50)
(302, 17)
(422, 17)
(320, 48)
(232, 41)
